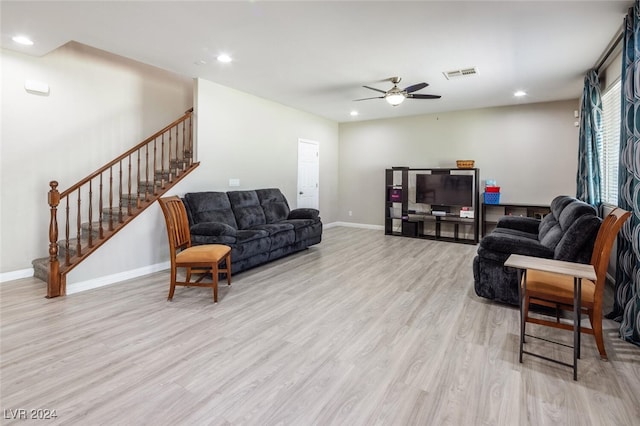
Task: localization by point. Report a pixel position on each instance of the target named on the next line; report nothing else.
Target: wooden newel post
(53, 287)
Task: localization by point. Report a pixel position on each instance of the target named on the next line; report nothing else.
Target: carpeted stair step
(41, 268)
(131, 199)
(114, 214)
(180, 164)
(148, 187)
(165, 174)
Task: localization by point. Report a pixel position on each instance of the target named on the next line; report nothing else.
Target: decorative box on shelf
(465, 164)
(492, 197)
(491, 193)
(467, 213)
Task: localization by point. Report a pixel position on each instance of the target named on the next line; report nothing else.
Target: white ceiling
(315, 56)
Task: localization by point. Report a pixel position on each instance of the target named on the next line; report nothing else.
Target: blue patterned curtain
(627, 293)
(588, 179)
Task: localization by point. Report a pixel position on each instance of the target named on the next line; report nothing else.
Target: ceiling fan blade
(366, 99)
(377, 90)
(418, 96)
(415, 87)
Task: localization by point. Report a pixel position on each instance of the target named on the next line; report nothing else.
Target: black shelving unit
(401, 221)
(396, 200)
(491, 213)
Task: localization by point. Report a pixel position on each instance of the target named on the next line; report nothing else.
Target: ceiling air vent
(464, 72)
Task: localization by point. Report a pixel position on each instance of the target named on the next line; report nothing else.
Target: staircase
(96, 208)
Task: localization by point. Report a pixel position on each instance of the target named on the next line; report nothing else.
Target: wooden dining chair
(557, 290)
(201, 259)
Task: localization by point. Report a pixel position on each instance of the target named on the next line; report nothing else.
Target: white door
(308, 174)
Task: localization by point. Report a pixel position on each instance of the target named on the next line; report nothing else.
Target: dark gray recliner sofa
(568, 233)
(257, 224)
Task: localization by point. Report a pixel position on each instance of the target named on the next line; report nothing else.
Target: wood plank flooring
(363, 329)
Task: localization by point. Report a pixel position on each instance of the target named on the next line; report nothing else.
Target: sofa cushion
(274, 228)
(210, 207)
(573, 212)
(246, 208)
(274, 204)
(282, 234)
(516, 232)
(246, 235)
(213, 228)
(552, 236)
(549, 221)
(565, 213)
(577, 242)
(251, 244)
(528, 225)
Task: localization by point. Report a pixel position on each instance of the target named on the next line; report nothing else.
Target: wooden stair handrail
(112, 163)
(172, 169)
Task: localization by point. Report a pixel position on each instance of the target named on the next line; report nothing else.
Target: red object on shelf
(492, 189)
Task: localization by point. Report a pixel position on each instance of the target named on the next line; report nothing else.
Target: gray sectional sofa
(258, 224)
(568, 233)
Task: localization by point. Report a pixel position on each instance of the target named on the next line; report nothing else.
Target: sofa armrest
(214, 229)
(525, 224)
(500, 247)
(304, 213)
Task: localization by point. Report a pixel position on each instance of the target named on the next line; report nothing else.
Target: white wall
(241, 136)
(531, 150)
(99, 105)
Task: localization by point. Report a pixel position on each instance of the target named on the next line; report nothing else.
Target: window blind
(610, 145)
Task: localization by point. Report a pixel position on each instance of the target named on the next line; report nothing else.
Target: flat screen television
(444, 189)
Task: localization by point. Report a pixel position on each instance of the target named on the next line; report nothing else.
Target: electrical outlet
(234, 182)
(350, 213)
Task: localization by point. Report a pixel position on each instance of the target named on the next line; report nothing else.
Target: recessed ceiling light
(26, 41)
(354, 113)
(519, 93)
(224, 58)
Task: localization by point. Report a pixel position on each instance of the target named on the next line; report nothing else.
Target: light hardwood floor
(363, 329)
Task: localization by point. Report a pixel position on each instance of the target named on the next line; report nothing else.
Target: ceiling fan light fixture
(395, 99)
(23, 40)
(224, 58)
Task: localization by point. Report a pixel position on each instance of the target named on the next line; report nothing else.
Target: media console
(404, 216)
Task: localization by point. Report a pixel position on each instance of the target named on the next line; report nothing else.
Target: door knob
(301, 192)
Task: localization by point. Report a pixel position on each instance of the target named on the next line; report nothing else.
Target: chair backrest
(604, 244)
(175, 216)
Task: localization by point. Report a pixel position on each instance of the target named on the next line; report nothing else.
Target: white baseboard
(116, 278)
(354, 225)
(16, 275)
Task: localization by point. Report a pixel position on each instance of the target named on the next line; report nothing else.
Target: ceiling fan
(395, 96)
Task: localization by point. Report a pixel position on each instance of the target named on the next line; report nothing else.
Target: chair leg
(596, 325)
(228, 263)
(172, 287)
(524, 312)
(214, 277)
